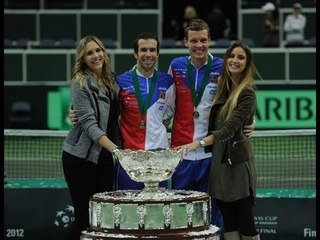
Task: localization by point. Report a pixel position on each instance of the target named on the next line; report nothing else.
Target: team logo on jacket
(214, 77)
(162, 94)
(180, 72)
(130, 101)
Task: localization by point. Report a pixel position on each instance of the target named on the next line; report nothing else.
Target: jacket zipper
(233, 144)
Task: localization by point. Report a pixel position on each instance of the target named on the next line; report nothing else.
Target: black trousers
(238, 216)
(84, 179)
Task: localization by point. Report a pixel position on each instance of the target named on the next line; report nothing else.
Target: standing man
(294, 26)
(270, 25)
(195, 77)
(145, 94)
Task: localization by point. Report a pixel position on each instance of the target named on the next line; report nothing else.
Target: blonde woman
(232, 180)
(87, 160)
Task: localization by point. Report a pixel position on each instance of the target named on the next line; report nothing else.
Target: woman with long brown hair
(233, 178)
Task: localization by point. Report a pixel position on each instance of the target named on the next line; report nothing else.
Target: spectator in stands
(271, 25)
(219, 24)
(86, 158)
(233, 178)
(189, 13)
(294, 27)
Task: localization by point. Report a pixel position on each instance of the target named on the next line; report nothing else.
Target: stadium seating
(7, 43)
(20, 115)
(47, 43)
(22, 43)
(222, 43)
(109, 43)
(67, 43)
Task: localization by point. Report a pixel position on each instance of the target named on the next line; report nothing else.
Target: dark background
(173, 10)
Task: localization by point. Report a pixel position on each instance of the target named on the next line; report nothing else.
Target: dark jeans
(84, 179)
(238, 216)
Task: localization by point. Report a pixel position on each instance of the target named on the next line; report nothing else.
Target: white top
(294, 26)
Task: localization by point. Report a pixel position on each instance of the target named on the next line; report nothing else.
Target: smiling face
(236, 62)
(94, 57)
(146, 56)
(198, 43)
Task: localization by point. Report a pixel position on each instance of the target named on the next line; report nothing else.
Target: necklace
(143, 105)
(196, 96)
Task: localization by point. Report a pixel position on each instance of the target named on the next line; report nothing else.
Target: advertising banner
(38, 214)
(283, 109)
(286, 218)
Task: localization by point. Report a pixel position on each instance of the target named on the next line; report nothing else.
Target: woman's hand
(72, 116)
(248, 129)
(190, 146)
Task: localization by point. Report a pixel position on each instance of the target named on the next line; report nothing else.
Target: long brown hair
(226, 82)
(106, 80)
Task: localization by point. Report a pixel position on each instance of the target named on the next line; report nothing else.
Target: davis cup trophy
(153, 212)
(150, 167)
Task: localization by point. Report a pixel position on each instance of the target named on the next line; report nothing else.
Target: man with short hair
(294, 26)
(196, 77)
(145, 94)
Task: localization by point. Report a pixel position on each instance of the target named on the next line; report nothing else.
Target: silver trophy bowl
(150, 166)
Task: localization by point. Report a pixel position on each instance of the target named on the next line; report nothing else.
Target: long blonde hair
(106, 80)
(226, 82)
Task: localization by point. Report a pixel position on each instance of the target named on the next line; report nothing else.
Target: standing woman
(233, 178)
(87, 160)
